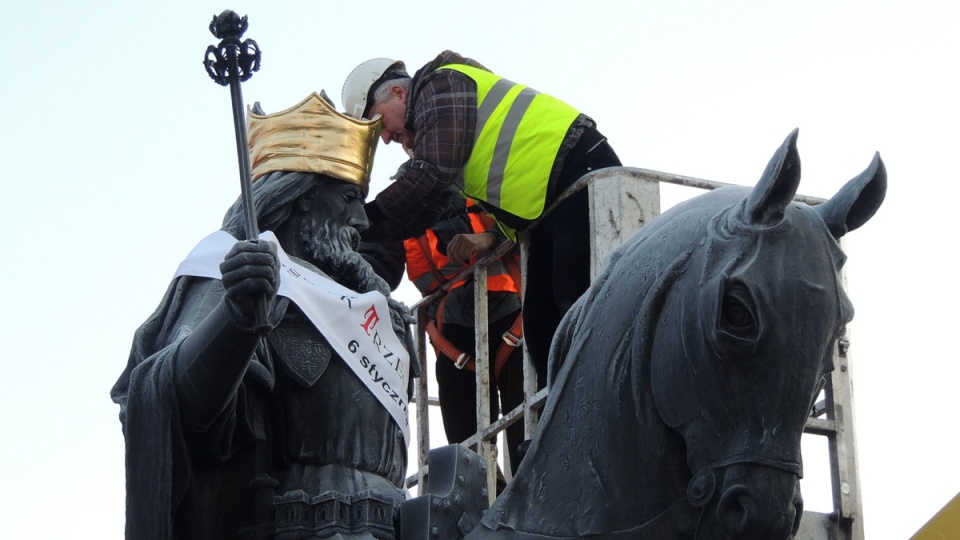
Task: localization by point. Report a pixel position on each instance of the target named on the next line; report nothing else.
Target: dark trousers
(458, 387)
(558, 268)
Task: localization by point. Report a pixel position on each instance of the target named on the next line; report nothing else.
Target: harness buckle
(462, 360)
(512, 340)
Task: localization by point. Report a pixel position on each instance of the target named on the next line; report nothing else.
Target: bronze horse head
(682, 379)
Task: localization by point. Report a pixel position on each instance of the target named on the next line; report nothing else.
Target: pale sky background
(117, 155)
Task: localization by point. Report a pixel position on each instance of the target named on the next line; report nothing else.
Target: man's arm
(388, 260)
(444, 117)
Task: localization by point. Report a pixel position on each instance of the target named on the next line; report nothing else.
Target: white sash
(357, 325)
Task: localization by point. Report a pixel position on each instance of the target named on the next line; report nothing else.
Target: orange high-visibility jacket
(429, 269)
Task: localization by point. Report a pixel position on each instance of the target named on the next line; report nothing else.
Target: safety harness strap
(512, 339)
(428, 255)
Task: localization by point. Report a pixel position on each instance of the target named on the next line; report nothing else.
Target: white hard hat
(363, 79)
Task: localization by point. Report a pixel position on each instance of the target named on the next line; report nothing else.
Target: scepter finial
(228, 24)
(229, 28)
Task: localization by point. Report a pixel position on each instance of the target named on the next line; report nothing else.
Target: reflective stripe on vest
(518, 134)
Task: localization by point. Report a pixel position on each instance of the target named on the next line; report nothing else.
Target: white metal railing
(622, 200)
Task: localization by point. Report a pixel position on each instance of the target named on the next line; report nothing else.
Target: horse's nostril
(744, 513)
(798, 508)
(736, 510)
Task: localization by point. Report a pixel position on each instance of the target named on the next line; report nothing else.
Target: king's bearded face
(333, 248)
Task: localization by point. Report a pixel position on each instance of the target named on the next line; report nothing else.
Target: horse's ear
(857, 201)
(777, 186)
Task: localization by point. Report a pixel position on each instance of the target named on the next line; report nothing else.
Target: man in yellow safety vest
(505, 145)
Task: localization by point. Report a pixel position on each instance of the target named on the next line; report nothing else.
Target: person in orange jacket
(451, 325)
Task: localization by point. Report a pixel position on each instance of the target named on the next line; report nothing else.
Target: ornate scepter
(229, 64)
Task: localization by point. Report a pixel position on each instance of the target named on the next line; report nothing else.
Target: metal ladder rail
(833, 418)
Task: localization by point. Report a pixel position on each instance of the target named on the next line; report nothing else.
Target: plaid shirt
(441, 113)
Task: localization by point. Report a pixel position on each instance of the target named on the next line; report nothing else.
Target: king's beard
(333, 251)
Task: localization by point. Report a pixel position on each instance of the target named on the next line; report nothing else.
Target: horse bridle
(683, 516)
(703, 484)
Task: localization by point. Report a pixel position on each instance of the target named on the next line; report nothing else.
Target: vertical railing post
(486, 447)
(531, 415)
(423, 406)
(846, 520)
(620, 205)
(842, 447)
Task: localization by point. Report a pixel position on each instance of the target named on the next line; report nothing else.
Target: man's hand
(250, 275)
(464, 247)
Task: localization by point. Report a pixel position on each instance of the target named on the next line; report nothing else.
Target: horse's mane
(647, 264)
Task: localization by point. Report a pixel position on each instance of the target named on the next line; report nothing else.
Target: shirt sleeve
(388, 260)
(444, 117)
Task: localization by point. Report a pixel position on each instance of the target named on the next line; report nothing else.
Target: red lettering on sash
(372, 320)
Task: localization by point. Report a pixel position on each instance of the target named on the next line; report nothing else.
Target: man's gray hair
(382, 93)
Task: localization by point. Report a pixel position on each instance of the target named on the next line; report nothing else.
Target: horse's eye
(736, 316)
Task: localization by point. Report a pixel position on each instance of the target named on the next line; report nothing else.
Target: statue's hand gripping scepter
(228, 64)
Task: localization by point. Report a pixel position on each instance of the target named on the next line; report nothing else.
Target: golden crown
(313, 137)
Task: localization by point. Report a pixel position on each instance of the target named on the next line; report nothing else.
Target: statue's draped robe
(186, 481)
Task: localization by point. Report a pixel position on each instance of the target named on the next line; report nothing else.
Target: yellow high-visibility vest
(518, 134)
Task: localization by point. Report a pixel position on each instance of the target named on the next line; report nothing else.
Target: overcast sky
(118, 155)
